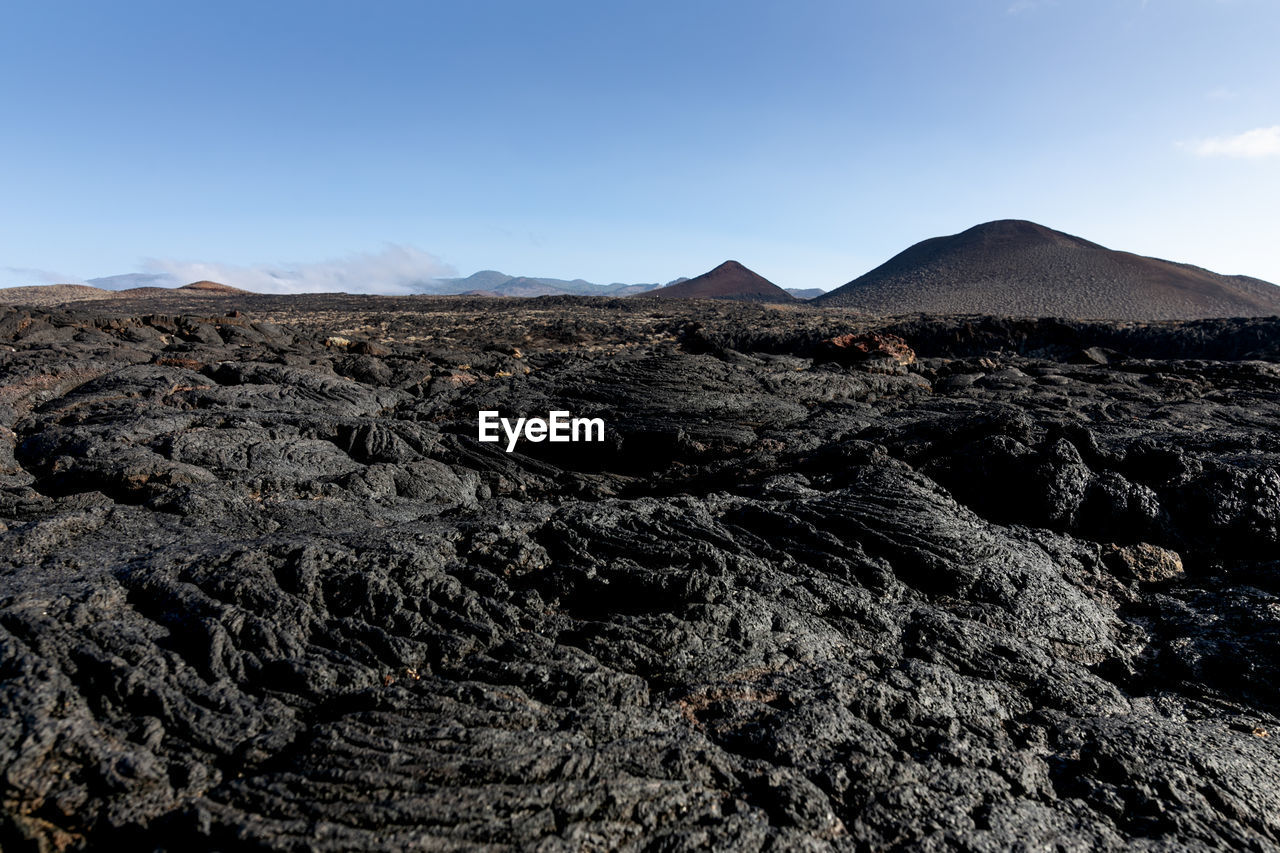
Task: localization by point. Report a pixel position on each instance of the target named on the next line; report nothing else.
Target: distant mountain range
(1009, 267)
(1020, 268)
(134, 279)
(501, 284)
(485, 282)
(805, 292)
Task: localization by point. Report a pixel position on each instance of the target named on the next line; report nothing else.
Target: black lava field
(829, 583)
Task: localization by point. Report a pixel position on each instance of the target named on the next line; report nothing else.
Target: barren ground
(260, 587)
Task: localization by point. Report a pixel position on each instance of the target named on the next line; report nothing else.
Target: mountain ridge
(502, 284)
(1022, 268)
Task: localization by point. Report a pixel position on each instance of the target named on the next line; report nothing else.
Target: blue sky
(360, 145)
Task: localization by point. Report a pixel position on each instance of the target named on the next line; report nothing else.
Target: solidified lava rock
(870, 347)
(260, 589)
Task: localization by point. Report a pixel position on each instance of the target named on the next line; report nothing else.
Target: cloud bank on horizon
(29, 275)
(394, 269)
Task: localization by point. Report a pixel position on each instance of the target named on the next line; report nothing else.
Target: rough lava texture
(261, 587)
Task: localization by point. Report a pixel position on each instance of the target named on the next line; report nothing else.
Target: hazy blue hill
(501, 284)
(134, 279)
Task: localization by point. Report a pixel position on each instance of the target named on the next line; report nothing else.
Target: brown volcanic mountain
(1021, 268)
(57, 294)
(51, 294)
(730, 280)
(206, 286)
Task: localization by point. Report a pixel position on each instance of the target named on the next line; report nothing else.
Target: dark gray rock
(262, 590)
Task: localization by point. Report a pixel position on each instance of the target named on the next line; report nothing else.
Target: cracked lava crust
(830, 582)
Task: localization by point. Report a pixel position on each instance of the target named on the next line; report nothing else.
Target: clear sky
(362, 144)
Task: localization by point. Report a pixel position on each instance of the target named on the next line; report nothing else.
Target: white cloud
(395, 269)
(1252, 144)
